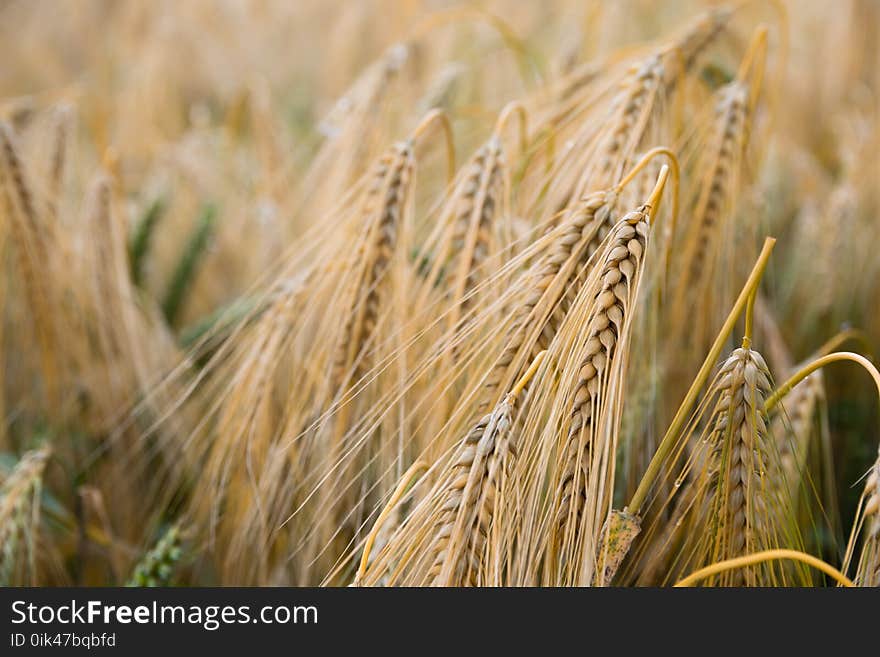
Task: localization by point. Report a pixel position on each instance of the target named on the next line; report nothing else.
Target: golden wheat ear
(629, 109)
(730, 481)
(800, 429)
(445, 541)
(356, 130)
(33, 242)
(655, 542)
(605, 330)
(598, 328)
(464, 236)
(793, 431)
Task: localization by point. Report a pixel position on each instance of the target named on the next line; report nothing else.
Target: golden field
(424, 293)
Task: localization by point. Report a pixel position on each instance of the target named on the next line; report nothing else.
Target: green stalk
(140, 243)
(184, 273)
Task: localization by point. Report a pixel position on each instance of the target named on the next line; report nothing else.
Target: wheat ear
(19, 517)
(552, 284)
(620, 274)
(485, 458)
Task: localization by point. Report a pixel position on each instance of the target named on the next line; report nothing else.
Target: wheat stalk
(455, 518)
(623, 262)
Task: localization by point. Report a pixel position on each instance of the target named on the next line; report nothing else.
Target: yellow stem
(676, 175)
(681, 415)
(757, 45)
(524, 381)
(441, 117)
(520, 110)
(759, 557)
(750, 320)
(657, 193)
(781, 66)
(808, 369)
(402, 485)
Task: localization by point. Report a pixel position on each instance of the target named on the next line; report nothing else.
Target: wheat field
(429, 293)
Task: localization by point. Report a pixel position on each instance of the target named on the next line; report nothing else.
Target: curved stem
(526, 60)
(809, 368)
(657, 193)
(676, 176)
(760, 557)
(782, 14)
(757, 50)
(520, 110)
(681, 415)
(441, 117)
(402, 485)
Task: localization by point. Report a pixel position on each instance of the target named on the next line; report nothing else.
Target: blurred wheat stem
(757, 52)
(760, 557)
(512, 41)
(782, 51)
(514, 107)
(681, 415)
(856, 335)
(440, 117)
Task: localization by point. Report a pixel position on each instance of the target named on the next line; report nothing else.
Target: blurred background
(185, 147)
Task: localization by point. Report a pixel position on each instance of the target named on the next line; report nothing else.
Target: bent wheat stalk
(415, 469)
(760, 557)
